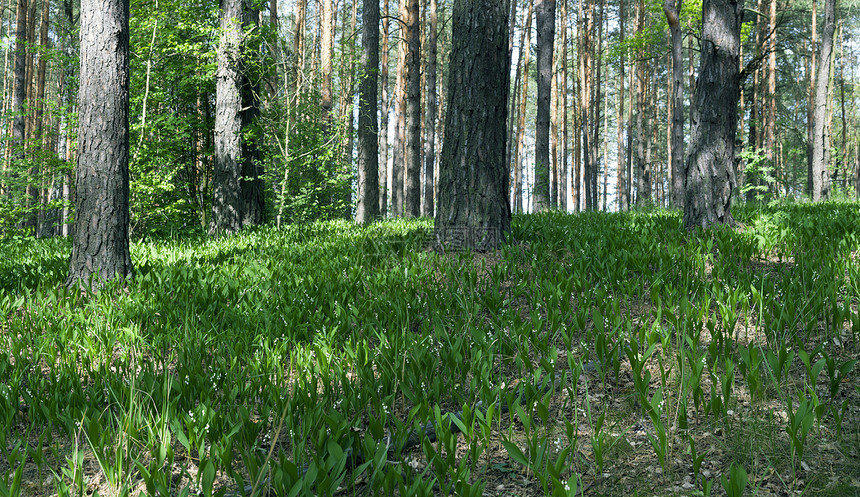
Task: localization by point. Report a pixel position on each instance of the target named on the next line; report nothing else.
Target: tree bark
(623, 199)
(430, 137)
(383, 122)
(100, 250)
(519, 111)
(238, 191)
(563, 166)
(413, 111)
(19, 87)
(326, 48)
(672, 9)
(710, 168)
(473, 209)
(821, 138)
(367, 209)
(521, 125)
(810, 111)
(545, 17)
(399, 153)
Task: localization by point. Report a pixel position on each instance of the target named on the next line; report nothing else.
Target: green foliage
(286, 357)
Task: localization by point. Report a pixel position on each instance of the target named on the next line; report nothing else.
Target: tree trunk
(430, 137)
(100, 250)
(19, 88)
(518, 118)
(367, 209)
(399, 153)
(623, 199)
(413, 111)
(251, 181)
(563, 174)
(383, 122)
(821, 138)
(238, 195)
(473, 209)
(521, 126)
(810, 111)
(672, 9)
(545, 17)
(326, 48)
(43, 228)
(710, 168)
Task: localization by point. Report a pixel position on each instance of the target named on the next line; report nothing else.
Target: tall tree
(672, 9)
(473, 209)
(383, 122)
(710, 168)
(100, 250)
(237, 198)
(430, 138)
(19, 87)
(326, 49)
(413, 111)
(545, 18)
(821, 139)
(367, 209)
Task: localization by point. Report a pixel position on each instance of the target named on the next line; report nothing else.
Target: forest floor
(632, 358)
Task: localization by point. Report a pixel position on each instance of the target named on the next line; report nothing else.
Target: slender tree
(367, 209)
(383, 122)
(710, 169)
(545, 18)
(473, 210)
(672, 9)
(413, 111)
(100, 250)
(430, 138)
(821, 138)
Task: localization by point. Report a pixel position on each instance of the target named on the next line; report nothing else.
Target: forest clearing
(633, 357)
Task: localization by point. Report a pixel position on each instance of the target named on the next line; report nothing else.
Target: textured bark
(100, 250)
(367, 208)
(672, 8)
(383, 124)
(413, 111)
(326, 47)
(821, 138)
(562, 177)
(545, 19)
(622, 188)
(710, 169)
(523, 72)
(810, 111)
(238, 190)
(19, 91)
(473, 209)
(226, 199)
(770, 126)
(251, 181)
(430, 129)
(398, 163)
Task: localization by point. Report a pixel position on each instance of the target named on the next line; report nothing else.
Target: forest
(429, 247)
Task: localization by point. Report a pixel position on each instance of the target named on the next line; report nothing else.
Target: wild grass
(631, 355)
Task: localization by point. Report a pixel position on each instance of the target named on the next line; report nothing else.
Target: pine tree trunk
(100, 250)
(367, 209)
(521, 126)
(545, 17)
(563, 169)
(383, 122)
(473, 209)
(623, 198)
(710, 166)
(821, 138)
(413, 111)
(672, 8)
(432, 102)
(810, 111)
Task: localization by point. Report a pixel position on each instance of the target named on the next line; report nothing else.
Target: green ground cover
(631, 357)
